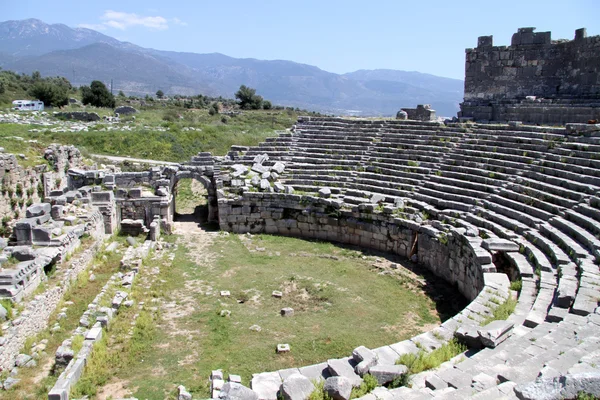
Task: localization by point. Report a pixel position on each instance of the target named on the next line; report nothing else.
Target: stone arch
(209, 184)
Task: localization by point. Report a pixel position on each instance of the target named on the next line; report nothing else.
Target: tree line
(55, 92)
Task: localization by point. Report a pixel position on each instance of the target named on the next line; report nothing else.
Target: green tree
(267, 105)
(214, 108)
(248, 99)
(52, 94)
(97, 95)
(36, 76)
(121, 94)
(160, 94)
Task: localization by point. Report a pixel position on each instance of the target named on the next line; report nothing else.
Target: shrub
(501, 312)
(50, 94)
(516, 285)
(369, 383)
(319, 393)
(19, 190)
(267, 105)
(97, 95)
(423, 361)
(248, 99)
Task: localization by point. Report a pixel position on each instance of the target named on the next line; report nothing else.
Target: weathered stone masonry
(456, 258)
(563, 76)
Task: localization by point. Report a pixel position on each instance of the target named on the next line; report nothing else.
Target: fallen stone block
(296, 387)
(495, 333)
(561, 387)
(387, 373)
(338, 387)
(236, 391)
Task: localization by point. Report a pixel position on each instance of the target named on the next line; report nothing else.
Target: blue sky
(337, 36)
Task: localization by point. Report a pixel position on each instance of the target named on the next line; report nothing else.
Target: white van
(28, 105)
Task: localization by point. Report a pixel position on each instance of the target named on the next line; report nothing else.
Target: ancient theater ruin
(508, 192)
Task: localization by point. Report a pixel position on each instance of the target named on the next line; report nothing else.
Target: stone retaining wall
(443, 249)
(34, 318)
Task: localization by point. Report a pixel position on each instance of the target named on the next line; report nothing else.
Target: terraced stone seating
(533, 190)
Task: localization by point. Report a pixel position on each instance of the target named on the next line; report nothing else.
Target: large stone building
(535, 79)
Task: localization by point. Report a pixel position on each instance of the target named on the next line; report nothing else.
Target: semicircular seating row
(536, 186)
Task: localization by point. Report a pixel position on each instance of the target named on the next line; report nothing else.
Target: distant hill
(82, 55)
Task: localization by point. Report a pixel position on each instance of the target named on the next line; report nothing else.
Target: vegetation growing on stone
(423, 361)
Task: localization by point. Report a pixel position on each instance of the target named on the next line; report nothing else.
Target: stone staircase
(537, 188)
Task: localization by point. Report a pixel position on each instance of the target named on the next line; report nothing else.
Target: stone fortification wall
(34, 318)
(443, 249)
(21, 187)
(563, 76)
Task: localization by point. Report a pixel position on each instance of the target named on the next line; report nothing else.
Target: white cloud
(122, 21)
(96, 27)
(177, 21)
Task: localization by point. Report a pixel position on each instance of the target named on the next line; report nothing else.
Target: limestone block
(38, 209)
(338, 387)
(495, 333)
(296, 387)
(236, 391)
(387, 373)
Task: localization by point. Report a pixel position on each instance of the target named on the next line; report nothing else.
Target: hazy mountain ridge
(82, 55)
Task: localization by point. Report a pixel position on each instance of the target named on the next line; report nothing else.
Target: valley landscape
(184, 226)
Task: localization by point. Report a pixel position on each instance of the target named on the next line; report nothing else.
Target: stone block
(387, 373)
(38, 209)
(498, 244)
(342, 367)
(495, 333)
(102, 197)
(296, 387)
(338, 387)
(236, 391)
(266, 385)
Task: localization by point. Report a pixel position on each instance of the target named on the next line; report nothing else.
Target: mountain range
(82, 55)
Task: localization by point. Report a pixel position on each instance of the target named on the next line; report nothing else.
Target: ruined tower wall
(565, 73)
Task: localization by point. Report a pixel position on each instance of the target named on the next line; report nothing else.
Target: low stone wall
(443, 249)
(34, 318)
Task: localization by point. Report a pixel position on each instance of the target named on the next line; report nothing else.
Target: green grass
(190, 194)
(319, 393)
(423, 361)
(81, 293)
(144, 141)
(369, 383)
(516, 285)
(328, 296)
(502, 312)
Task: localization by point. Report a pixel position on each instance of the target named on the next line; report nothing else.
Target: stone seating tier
(535, 200)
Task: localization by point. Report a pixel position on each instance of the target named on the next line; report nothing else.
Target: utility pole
(111, 86)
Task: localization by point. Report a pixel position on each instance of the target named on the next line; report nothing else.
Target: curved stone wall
(444, 249)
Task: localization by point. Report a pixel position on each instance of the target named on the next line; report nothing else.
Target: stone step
(433, 192)
(443, 204)
(517, 205)
(553, 252)
(473, 169)
(541, 193)
(573, 249)
(576, 232)
(498, 229)
(514, 214)
(472, 182)
(503, 220)
(570, 171)
(503, 151)
(567, 159)
(544, 208)
(458, 189)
